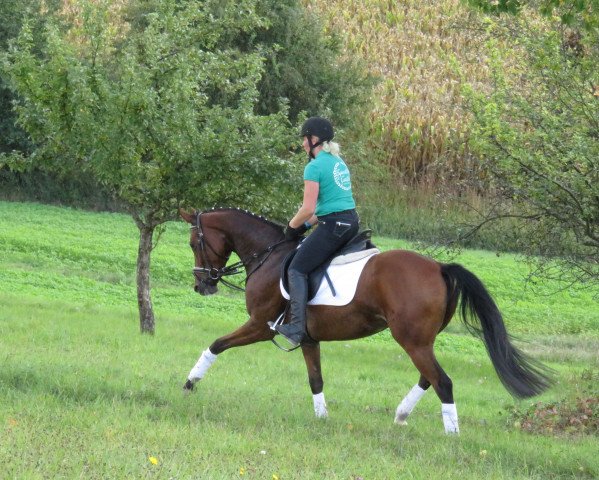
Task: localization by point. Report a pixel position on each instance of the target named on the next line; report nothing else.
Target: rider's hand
(294, 233)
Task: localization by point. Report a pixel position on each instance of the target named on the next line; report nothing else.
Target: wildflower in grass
(242, 471)
(275, 476)
(483, 453)
(153, 460)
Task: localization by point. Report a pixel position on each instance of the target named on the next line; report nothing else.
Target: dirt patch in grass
(580, 417)
(570, 417)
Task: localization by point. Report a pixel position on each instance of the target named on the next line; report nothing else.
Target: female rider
(328, 201)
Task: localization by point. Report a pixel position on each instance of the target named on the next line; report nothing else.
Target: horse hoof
(399, 421)
(188, 387)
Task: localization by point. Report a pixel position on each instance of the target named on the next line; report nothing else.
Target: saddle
(359, 243)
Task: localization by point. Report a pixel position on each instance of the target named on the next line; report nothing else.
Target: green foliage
(300, 70)
(12, 13)
(584, 13)
(435, 218)
(538, 131)
(15, 181)
(304, 67)
(46, 187)
(161, 117)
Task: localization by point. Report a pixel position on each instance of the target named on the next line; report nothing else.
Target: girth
(356, 244)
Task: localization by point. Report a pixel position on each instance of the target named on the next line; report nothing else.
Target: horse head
(210, 249)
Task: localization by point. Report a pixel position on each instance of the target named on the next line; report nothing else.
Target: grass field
(84, 395)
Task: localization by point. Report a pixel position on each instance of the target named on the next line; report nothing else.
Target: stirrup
(273, 326)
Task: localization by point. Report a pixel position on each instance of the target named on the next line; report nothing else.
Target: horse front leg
(311, 353)
(248, 333)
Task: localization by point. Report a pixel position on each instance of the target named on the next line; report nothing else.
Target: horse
(412, 295)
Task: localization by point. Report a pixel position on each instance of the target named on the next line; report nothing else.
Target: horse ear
(188, 217)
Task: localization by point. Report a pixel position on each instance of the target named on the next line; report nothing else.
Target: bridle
(216, 274)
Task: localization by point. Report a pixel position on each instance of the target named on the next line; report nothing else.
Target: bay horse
(412, 295)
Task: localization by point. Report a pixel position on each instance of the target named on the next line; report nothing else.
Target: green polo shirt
(332, 175)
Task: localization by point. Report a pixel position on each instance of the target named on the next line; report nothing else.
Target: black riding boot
(295, 330)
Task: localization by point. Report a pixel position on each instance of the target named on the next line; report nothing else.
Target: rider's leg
(298, 296)
(315, 250)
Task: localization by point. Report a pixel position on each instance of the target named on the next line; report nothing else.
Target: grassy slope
(83, 394)
(90, 258)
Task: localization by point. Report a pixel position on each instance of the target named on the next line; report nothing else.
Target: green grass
(84, 395)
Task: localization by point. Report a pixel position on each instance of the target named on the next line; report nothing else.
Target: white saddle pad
(344, 277)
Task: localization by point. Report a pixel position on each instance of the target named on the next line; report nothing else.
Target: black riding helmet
(318, 127)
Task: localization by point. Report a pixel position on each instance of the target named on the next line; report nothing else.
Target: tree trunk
(146, 314)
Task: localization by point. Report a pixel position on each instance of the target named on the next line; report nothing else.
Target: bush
(537, 132)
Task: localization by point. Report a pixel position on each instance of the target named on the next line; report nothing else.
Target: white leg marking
(320, 406)
(201, 367)
(450, 418)
(407, 404)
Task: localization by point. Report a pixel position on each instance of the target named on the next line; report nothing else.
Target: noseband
(215, 274)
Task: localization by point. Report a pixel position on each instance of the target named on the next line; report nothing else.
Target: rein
(217, 274)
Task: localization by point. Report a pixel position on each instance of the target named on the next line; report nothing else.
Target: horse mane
(247, 213)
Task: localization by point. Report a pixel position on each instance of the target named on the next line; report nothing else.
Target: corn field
(422, 51)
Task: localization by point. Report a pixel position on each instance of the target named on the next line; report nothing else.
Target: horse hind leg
(410, 400)
(425, 361)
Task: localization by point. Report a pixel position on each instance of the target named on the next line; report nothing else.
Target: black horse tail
(522, 376)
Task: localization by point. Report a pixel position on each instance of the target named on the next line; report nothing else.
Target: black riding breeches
(334, 231)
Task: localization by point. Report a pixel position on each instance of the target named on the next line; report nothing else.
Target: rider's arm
(306, 211)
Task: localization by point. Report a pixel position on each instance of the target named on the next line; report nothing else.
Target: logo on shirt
(341, 176)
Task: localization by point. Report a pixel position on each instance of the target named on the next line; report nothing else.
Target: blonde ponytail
(331, 147)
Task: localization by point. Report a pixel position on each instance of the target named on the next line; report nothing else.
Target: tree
(538, 133)
(11, 16)
(302, 73)
(303, 67)
(35, 184)
(160, 116)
